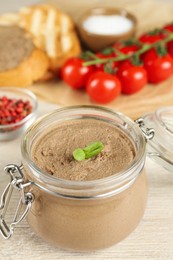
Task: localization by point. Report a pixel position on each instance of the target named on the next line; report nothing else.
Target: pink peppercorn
(13, 110)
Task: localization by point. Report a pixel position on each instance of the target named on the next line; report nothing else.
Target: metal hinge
(16, 182)
(147, 132)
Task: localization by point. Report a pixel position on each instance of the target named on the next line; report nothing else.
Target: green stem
(92, 55)
(121, 57)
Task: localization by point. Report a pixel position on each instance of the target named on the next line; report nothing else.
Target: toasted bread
(29, 71)
(52, 30)
(21, 63)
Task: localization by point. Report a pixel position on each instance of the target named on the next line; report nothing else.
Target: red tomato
(152, 36)
(103, 87)
(126, 48)
(100, 67)
(133, 78)
(170, 48)
(158, 67)
(129, 49)
(169, 27)
(75, 74)
(105, 56)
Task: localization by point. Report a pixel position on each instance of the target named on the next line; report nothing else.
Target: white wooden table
(153, 238)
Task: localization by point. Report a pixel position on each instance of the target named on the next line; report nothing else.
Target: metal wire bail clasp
(147, 132)
(17, 182)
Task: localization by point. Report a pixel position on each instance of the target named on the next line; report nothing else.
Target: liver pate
(15, 47)
(53, 150)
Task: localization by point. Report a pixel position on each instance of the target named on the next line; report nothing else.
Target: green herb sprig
(89, 151)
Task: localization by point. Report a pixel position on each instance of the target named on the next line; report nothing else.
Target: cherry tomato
(103, 87)
(158, 67)
(105, 56)
(170, 48)
(75, 74)
(169, 27)
(129, 49)
(101, 67)
(126, 48)
(133, 78)
(152, 36)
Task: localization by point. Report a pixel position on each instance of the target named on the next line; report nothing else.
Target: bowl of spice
(17, 111)
(101, 27)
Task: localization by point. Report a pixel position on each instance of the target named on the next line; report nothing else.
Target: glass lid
(160, 148)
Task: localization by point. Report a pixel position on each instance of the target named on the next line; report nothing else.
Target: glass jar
(82, 215)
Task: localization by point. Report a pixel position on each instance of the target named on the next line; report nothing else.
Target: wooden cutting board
(150, 14)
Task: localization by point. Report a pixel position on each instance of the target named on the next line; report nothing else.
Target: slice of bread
(21, 63)
(52, 31)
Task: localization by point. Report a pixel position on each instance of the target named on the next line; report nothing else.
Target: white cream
(107, 24)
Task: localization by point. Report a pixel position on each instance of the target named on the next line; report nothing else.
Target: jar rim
(117, 178)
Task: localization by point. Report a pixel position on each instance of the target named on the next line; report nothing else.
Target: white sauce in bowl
(107, 24)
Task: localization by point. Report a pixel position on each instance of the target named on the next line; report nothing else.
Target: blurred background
(13, 5)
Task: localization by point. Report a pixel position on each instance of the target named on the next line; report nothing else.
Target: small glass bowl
(12, 131)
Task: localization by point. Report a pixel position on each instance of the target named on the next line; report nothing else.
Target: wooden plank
(148, 99)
